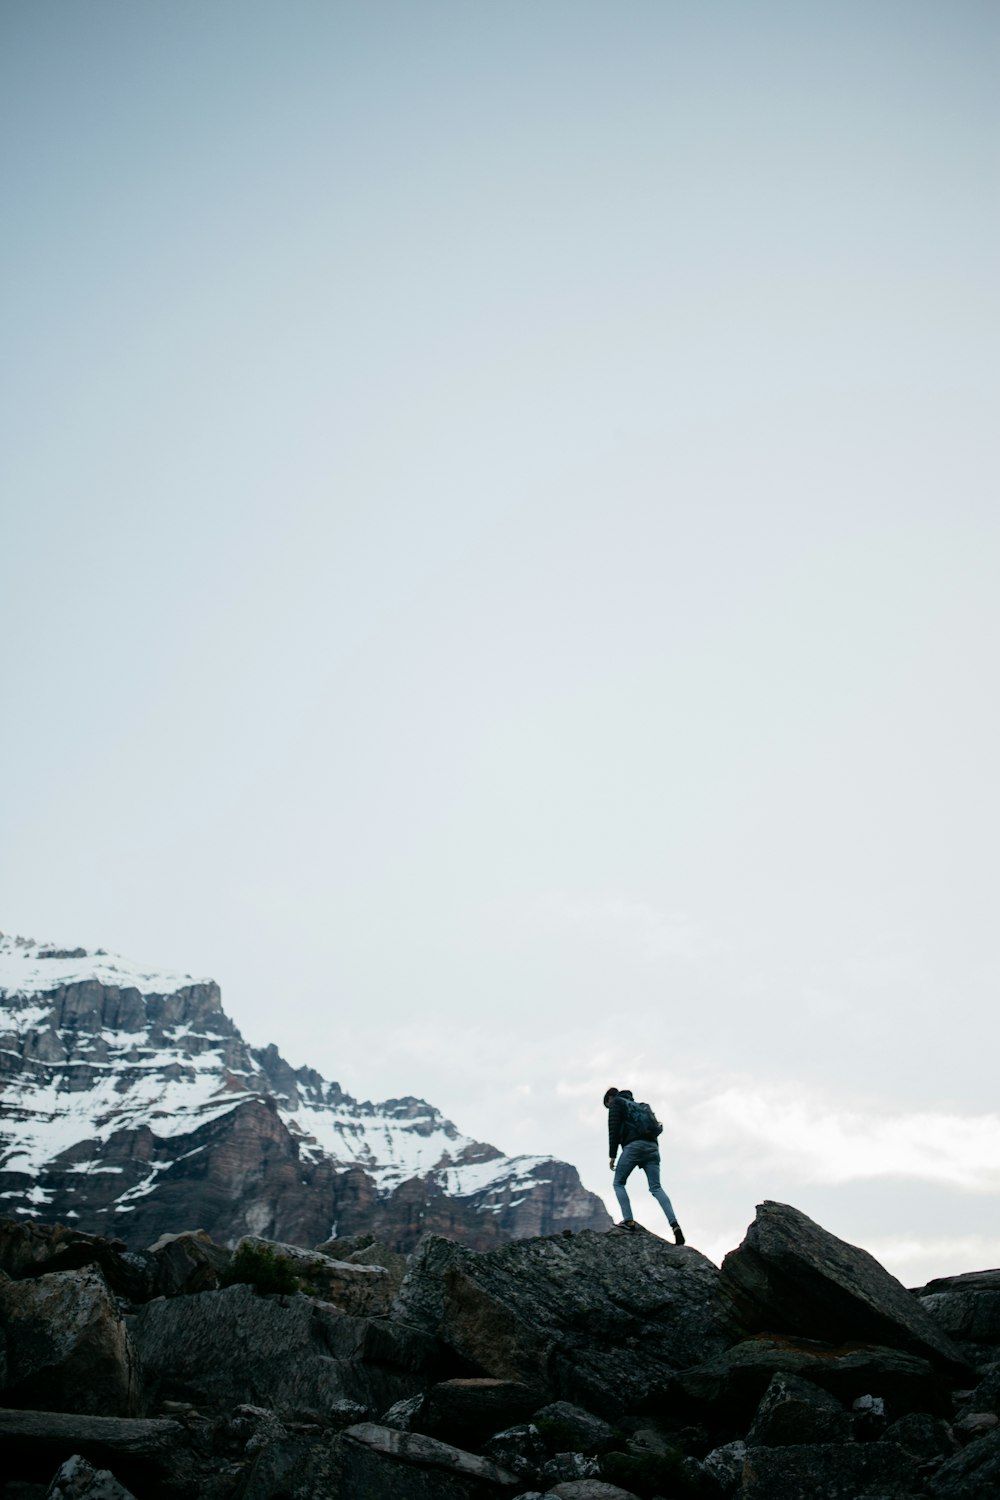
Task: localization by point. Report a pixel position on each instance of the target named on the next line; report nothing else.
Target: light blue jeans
(644, 1154)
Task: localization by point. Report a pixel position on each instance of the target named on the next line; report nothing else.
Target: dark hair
(608, 1096)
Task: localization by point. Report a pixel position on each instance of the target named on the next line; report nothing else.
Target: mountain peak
(128, 1096)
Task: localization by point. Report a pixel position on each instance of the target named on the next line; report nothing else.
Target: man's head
(611, 1093)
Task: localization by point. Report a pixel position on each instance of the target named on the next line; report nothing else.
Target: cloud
(808, 1140)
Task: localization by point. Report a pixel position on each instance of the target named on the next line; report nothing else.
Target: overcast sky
(499, 565)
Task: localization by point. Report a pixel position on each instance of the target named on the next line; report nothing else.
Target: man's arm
(615, 1112)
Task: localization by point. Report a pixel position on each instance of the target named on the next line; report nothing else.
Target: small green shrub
(648, 1474)
(258, 1266)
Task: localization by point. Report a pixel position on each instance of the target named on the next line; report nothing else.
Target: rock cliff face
(130, 1104)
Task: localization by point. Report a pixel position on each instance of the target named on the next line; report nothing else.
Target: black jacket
(620, 1132)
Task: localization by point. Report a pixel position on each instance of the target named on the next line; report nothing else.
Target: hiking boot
(678, 1235)
(627, 1224)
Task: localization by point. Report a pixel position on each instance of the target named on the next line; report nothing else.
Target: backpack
(643, 1122)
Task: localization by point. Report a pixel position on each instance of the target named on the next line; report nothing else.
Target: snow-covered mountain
(130, 1104)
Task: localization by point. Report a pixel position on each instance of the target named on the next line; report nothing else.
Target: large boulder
(793, 1410)
(833, 1471)
(791, 1276)
(726, 1390)
(967, 1309)
(220, 1349)
(600, 1319)
(187, 1262)
(66, 1346)
(468, 1411)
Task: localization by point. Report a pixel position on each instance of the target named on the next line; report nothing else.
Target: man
(636, 1129)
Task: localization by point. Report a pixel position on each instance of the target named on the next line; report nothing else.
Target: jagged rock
(220, 1349)
(835, 1471)
(566, 1426)
(599, 1319)
(365, 1290)
(405, 1415)
(79, 1480)
(66, 1346)
(725, 1465)
(726, 1390)
(381, 1461)
(468, 1411)
(187, 1262)
(973, 1474)
(793, 1410)
(791, 1276)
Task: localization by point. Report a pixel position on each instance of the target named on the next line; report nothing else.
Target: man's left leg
(652, 1171)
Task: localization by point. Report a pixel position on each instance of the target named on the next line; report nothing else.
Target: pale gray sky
(500, 558)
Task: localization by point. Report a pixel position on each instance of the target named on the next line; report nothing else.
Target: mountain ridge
(128, 1097)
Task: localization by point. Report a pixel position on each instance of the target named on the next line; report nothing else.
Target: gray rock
(221, 1349)
(187, 1262)
(725, 1465)
(569, 1466)
(973, 1474)
(345, 1413)
(603, 1320)
(922, 1435)
(869, 1417)
(79, 1480)
(66, 1346)
(728, 1388)
(31, 1249)
(966, 1307)
(975, 1424)
(794, 1411)
(519, 1449)
(566, 1426)
(376, 1461)
(469, 1410)
(405, 1415)
(791, 1276)
(837, 1471)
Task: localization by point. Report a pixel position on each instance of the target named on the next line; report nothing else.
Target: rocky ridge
(582, 1365)
(129, 1103)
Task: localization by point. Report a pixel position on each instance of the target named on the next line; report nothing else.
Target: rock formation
(581, 1366)
(130, 1105)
